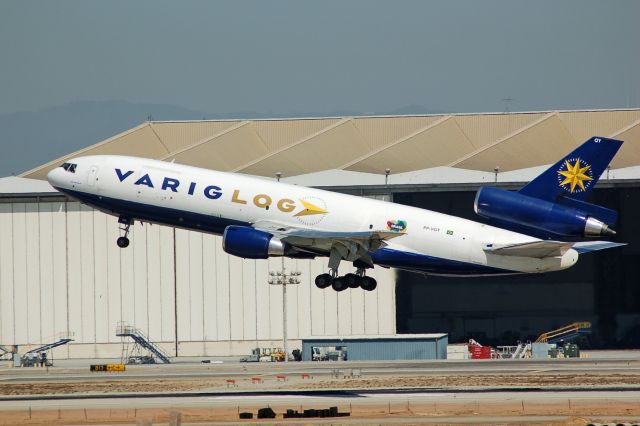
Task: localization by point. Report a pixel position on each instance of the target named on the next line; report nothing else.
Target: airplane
(543, 227)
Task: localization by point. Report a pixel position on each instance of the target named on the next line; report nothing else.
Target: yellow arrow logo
(310, 209)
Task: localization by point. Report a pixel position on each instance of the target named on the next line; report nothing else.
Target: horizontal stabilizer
(537, 249)
(587, 246)
(542, 249)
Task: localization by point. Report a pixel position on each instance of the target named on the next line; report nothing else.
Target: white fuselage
(206, 200)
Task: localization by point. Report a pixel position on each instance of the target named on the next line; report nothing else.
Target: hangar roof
(481, 142)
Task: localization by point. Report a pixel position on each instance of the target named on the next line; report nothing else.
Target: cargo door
(92, 177)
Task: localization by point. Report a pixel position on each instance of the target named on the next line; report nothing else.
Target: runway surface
(443, 392)
(448, 367)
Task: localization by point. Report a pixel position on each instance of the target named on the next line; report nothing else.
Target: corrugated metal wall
(61, 271)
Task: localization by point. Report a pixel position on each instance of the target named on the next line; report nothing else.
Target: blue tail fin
(574, 175)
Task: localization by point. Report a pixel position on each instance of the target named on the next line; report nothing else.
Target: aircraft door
(92, 176)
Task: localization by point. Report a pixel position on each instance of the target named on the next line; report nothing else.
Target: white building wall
(62, 273)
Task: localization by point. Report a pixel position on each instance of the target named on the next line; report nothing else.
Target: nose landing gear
(123, 241)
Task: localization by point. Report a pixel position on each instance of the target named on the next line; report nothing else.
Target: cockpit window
(70, 167)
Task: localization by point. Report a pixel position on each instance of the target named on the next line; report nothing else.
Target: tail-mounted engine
(567, 218)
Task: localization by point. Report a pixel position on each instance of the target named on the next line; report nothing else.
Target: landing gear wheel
(339, 284)
(358, 281)
(353, 281)
(368, 284)
(122, 242)
(323, 281)
(125, 223)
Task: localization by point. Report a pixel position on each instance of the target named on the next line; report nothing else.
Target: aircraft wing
(350, 245)
(541, 249)
(373, 239)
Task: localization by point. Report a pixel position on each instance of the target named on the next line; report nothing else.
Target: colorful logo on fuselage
(314, 210)
(396, 225)
(308, 210)
(575, 175)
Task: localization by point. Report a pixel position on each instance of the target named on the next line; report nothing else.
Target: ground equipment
(141, 342)
(38, 356)
(565, 334)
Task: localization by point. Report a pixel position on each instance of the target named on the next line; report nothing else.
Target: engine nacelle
(250, 243)
(513, 207)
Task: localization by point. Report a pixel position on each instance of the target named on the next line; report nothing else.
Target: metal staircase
(49, 346)
(4, 350)
(567, 333)
(521, 350)
(140, 340)
(58, 340)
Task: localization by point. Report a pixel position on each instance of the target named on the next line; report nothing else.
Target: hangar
(61, 272)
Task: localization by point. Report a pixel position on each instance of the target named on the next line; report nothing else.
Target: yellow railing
(544, 337)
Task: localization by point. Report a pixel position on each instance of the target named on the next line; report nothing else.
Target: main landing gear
(359, 279)
(125, 223)
(361, 261)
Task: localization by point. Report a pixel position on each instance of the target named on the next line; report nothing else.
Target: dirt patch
(578, 414)
(124, 385)
(485, 380)
(106, 387)
(573, 411)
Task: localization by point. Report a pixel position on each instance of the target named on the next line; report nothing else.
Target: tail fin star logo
(575, 175)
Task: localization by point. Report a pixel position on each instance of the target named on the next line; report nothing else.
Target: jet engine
(250, 243)
(573, 218)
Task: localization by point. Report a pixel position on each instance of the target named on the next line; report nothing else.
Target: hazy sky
(321, 56)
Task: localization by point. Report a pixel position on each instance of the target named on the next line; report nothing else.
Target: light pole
(283, 278)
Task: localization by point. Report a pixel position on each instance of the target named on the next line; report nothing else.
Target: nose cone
(55, 177)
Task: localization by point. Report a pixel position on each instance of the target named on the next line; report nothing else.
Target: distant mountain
(32, 138)
(413, 109)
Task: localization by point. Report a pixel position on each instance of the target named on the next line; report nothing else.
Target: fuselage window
(70, 167)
